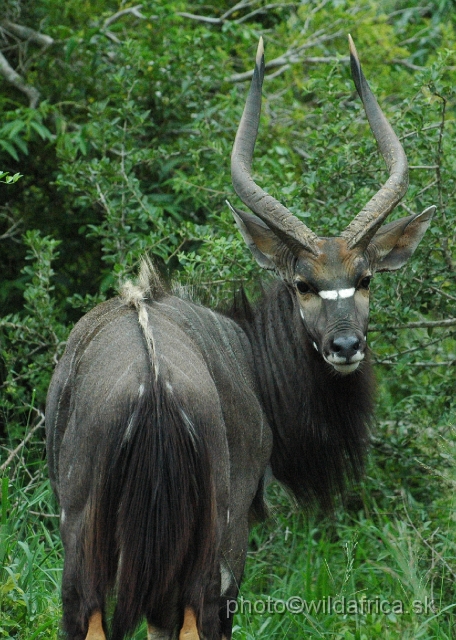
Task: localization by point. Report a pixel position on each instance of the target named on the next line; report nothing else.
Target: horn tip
(355, 65)
(353, 52)
(260, 51)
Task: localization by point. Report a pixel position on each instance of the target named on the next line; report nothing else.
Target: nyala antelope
(163, 416)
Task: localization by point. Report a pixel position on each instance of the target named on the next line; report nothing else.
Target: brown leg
(189, 630)
(95, 631)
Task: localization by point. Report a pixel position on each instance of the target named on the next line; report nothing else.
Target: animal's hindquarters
(137, 491)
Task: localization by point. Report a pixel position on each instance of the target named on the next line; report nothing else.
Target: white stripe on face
(339, 293)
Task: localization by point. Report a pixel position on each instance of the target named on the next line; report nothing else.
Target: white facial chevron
(337, 293)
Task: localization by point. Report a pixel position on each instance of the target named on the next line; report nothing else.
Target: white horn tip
(351, 44)
(260, 51)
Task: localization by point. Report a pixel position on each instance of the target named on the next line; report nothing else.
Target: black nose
(345, 346)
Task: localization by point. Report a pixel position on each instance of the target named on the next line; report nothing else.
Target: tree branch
(407, 64)
(390, 363)
(17, 81)
(425, 345)
(130, 10)
(435, 125)
(237, 7)
(25, 33)
(20, 446)
(423, 166)
(284, 62)
(13, 230)
(437, 290)
(243, 4)
(424, 324)
(207, 19)
(264, 9)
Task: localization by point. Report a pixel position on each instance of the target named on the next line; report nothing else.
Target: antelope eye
(365, 282)
(302, 286)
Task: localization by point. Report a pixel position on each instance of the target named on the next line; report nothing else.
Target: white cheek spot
(169, 386)
(315, 346)
(70, 471)
(140, 390)
(62, 517)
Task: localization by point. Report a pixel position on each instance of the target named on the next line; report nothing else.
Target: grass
(356, 577)
(382, 567)
(30, 558)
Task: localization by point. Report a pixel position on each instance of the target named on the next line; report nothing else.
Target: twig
(130, 10)
(12, 231)
(436, 289)
(407, 208)
(424, 324)
(276, 73)
(389, 363)
(237, 7)
(435, 125)
(284, 62)
(420, 347)
(25, 33)
(421, 10)
(208, 19)
(428, 186)
(407, 64)
(423, 166)
(16, 80)
(311, 13)
(112, 36)
(442, 293)
(416, 36)
(20, 446)
(264, 9)
(243, 4)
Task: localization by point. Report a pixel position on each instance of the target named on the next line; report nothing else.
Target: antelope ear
(394, 243)
(265, 246)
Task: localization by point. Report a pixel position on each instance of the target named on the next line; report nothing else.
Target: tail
(153, 516)
(151, 527)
